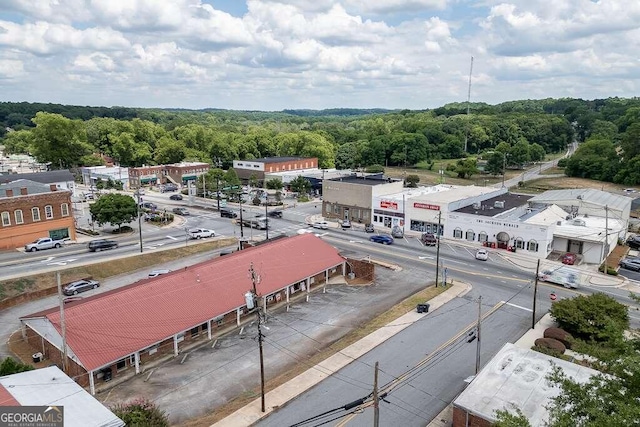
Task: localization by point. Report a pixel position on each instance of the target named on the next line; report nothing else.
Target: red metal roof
(6, 399)
(110, 326)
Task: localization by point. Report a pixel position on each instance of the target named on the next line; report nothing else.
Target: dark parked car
(634, 242)
(228, 213)
(78, 286)
(168, 187)
(631, 264)
(181, 211)
(569, 258)
(148, 205)
(368, 228)
(176, 197)
(428, 239)
(382, 238)
(275, 214)
(102, 245)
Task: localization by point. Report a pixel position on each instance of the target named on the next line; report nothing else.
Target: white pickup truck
(43, 243)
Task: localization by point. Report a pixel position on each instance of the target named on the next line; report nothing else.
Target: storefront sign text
(385, 204)
(426, 206)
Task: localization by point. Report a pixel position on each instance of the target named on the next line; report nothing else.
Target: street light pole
(139, 220)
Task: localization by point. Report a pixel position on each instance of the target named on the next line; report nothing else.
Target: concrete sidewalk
(303, 382)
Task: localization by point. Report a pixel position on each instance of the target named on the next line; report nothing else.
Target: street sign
(223, 203)
(231, 187)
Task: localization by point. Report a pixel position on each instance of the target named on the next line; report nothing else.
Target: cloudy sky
(277, 54)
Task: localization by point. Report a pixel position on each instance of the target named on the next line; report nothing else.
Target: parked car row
(630, 263)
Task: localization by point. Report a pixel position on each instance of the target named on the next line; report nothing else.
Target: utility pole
(438, 247)
(266, 215)
(535, 294)
(466, 137)
(478, 333)
(376, 399)
(139, 219)
(204, 187)
(62, 325)
(218, 192)
(241, 225)
(255, 279)
(606, 237)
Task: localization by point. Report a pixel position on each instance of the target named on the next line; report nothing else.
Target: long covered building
(132, 325)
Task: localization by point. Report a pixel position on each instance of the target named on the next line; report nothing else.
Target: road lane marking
(517, 306)
(172, 238)
(451, 247)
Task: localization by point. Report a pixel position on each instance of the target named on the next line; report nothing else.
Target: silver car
(74, 288)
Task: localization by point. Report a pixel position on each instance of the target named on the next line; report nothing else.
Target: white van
(565, 276)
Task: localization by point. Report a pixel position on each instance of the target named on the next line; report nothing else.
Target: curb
(281, 395)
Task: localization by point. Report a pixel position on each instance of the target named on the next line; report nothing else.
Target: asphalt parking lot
(210, 377)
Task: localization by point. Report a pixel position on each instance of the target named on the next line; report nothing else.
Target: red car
(569, 258)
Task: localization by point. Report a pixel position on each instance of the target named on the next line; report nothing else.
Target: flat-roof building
(514, 378)
(258, 168)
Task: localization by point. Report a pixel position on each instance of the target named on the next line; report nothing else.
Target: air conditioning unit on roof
(498, 204)
(477, 205)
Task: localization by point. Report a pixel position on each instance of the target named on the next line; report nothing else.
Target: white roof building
(514, 378)
(52, 387)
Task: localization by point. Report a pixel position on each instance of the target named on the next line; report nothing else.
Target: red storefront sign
(385, 204)
(426, 206)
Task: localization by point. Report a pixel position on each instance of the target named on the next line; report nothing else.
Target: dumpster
(422, 308)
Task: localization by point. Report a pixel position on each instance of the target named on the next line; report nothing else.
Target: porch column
(92, 386)
(209, 329)
(326, 281)
(175, 345)
(238, 316)
(308, 281)
(136, 358)
(264, 304)
(286, 292)
(344, 268)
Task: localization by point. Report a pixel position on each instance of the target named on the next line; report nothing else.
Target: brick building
(259, 167)
(138, 323)
(29, 210)
(177, 173)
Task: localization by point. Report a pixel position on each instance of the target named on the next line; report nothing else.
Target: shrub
(551, 344)
(559, 334)
(562, 162)
(141, 413)
(548, 351)
(610, 270)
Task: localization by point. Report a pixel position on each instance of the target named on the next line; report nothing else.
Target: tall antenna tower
(466, 136)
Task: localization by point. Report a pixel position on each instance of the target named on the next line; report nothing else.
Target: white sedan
(482, 254)
(200, 233)
(322, 225)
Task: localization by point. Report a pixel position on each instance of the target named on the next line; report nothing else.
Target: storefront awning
(148, 179)
(189, 177)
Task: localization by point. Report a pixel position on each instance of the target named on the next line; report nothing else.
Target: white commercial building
(90, 175)
(513, 222)
(420, 209)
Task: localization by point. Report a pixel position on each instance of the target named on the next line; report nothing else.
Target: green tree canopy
(274, 184)
(59, 140)
(596, 317)
(300, 185)
(115, 209)
(10, 366)
(18, 142)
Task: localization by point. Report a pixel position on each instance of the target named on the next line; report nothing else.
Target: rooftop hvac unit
(498, 204)
(568, 217)
(477, 205)
(559, 223)
(579, 222)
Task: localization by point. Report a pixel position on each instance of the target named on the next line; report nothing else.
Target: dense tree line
(510, 134)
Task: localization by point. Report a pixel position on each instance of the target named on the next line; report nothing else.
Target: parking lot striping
(518, 306)
(172, 238)
(451, 247)
(470, 253)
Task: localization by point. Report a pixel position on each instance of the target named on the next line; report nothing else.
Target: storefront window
(457, 233)
(532, 246)
(519, 243)
(470, 235)
(482, 237)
